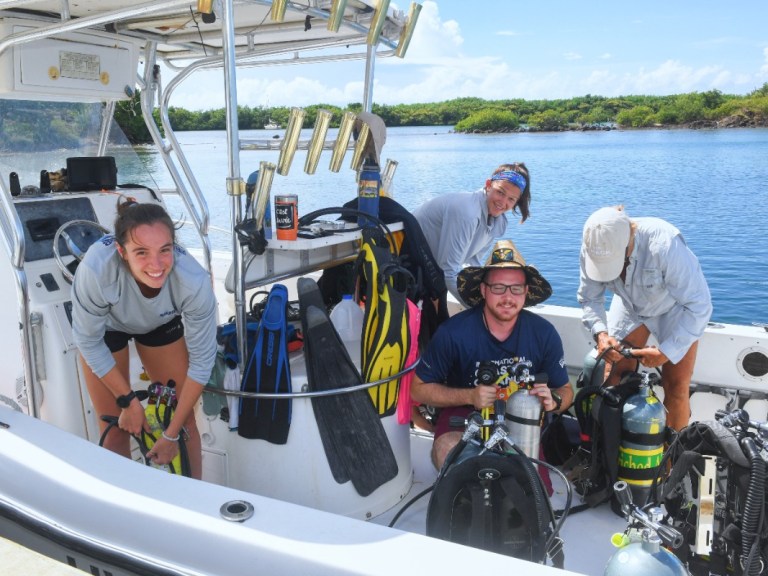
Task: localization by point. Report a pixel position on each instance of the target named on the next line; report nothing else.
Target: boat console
(43, 281)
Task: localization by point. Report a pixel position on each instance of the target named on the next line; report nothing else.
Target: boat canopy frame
(214, 43)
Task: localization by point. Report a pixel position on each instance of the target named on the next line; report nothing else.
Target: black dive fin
(268, 371)
(310, 295)
(353, 437)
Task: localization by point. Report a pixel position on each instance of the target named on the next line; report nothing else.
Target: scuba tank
(642, 440)
(644, 557)
(593, 371)
(524, 420)
(640, 550)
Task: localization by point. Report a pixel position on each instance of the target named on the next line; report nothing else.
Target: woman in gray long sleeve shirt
(659, 289)
(139, 284)
(460, 228)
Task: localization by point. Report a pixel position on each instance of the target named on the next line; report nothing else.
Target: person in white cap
(659, 289)
(460, 228)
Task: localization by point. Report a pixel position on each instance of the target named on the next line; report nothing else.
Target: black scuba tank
(643, 424)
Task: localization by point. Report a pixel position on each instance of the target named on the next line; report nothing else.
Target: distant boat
(272, 125)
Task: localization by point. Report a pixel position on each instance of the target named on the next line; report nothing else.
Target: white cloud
(764, 68)
(437, 68)
(433, 38)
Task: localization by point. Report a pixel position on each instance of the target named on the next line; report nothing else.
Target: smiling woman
(460, 228)
(137, 284)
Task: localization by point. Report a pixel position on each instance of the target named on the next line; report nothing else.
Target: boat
(275, 509)
(272, 125)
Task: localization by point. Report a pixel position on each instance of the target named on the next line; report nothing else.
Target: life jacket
(721, 476)
(493, 501)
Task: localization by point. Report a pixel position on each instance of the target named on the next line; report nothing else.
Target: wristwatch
(125, 401)
(558, 401)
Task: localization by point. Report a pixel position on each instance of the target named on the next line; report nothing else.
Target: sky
(549, 49)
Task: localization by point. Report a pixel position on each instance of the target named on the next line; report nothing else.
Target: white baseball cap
(605, 241)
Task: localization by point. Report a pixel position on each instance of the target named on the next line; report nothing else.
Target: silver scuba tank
(523, 421)
(642, 441)
(640, 549)
(643, 558)
(593, 372)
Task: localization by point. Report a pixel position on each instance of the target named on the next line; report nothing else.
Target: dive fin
(268, 371)
(386, 337)
(353, 437)
(310, 295)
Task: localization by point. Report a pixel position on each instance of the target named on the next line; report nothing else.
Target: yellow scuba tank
(161, 405)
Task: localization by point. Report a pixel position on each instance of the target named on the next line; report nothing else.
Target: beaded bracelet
(166, 437)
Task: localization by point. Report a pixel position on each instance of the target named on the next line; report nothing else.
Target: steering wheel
(86, 233)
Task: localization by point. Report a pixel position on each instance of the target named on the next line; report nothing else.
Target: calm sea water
(711, 184)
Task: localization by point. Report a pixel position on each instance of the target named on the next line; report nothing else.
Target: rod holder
(377, 22)
(342, 140)
(362, 142)
(407, 32)
(387, 175)
(336, 15)
(290, 141)
(316, 144)
(261, 193)
(277, 12)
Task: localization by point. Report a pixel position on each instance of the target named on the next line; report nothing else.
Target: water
(709, 183)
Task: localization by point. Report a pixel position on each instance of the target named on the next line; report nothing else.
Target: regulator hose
(753, 509)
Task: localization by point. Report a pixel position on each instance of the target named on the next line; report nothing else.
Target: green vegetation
(697, 109)
(24, 128)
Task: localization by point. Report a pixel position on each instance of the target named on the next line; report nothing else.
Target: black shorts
(165, 334)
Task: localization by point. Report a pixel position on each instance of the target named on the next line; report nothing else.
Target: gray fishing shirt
(665, 289)
(105, 296)
(459, 232)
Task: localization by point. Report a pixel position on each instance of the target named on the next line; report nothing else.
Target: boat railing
(13, 238)
(195, 203)
(317, 393)
(13, 232)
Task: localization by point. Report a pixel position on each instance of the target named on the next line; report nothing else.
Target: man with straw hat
(659, 290)
(492, 335)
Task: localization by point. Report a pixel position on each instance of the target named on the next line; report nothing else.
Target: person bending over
(460, 228)
(495, 330)
(658, 288)
(139, 284)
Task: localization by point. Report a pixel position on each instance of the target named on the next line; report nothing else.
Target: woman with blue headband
(460, 228)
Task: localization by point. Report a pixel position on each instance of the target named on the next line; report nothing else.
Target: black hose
(409, 503)
(557, 523)
(753, 509)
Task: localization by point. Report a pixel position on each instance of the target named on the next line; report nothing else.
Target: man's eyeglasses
(499, 289)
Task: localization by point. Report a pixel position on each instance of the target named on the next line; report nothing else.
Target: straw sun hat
(504, 255)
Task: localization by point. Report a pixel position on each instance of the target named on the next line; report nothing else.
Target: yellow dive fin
(386, 337)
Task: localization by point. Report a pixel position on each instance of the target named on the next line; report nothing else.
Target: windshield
(36, 136)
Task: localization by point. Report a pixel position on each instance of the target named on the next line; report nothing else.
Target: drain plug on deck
(236, 510)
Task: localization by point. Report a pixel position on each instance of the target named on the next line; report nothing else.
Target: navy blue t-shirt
(463, 351)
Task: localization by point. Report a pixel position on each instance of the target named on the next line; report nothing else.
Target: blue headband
(513, 177)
